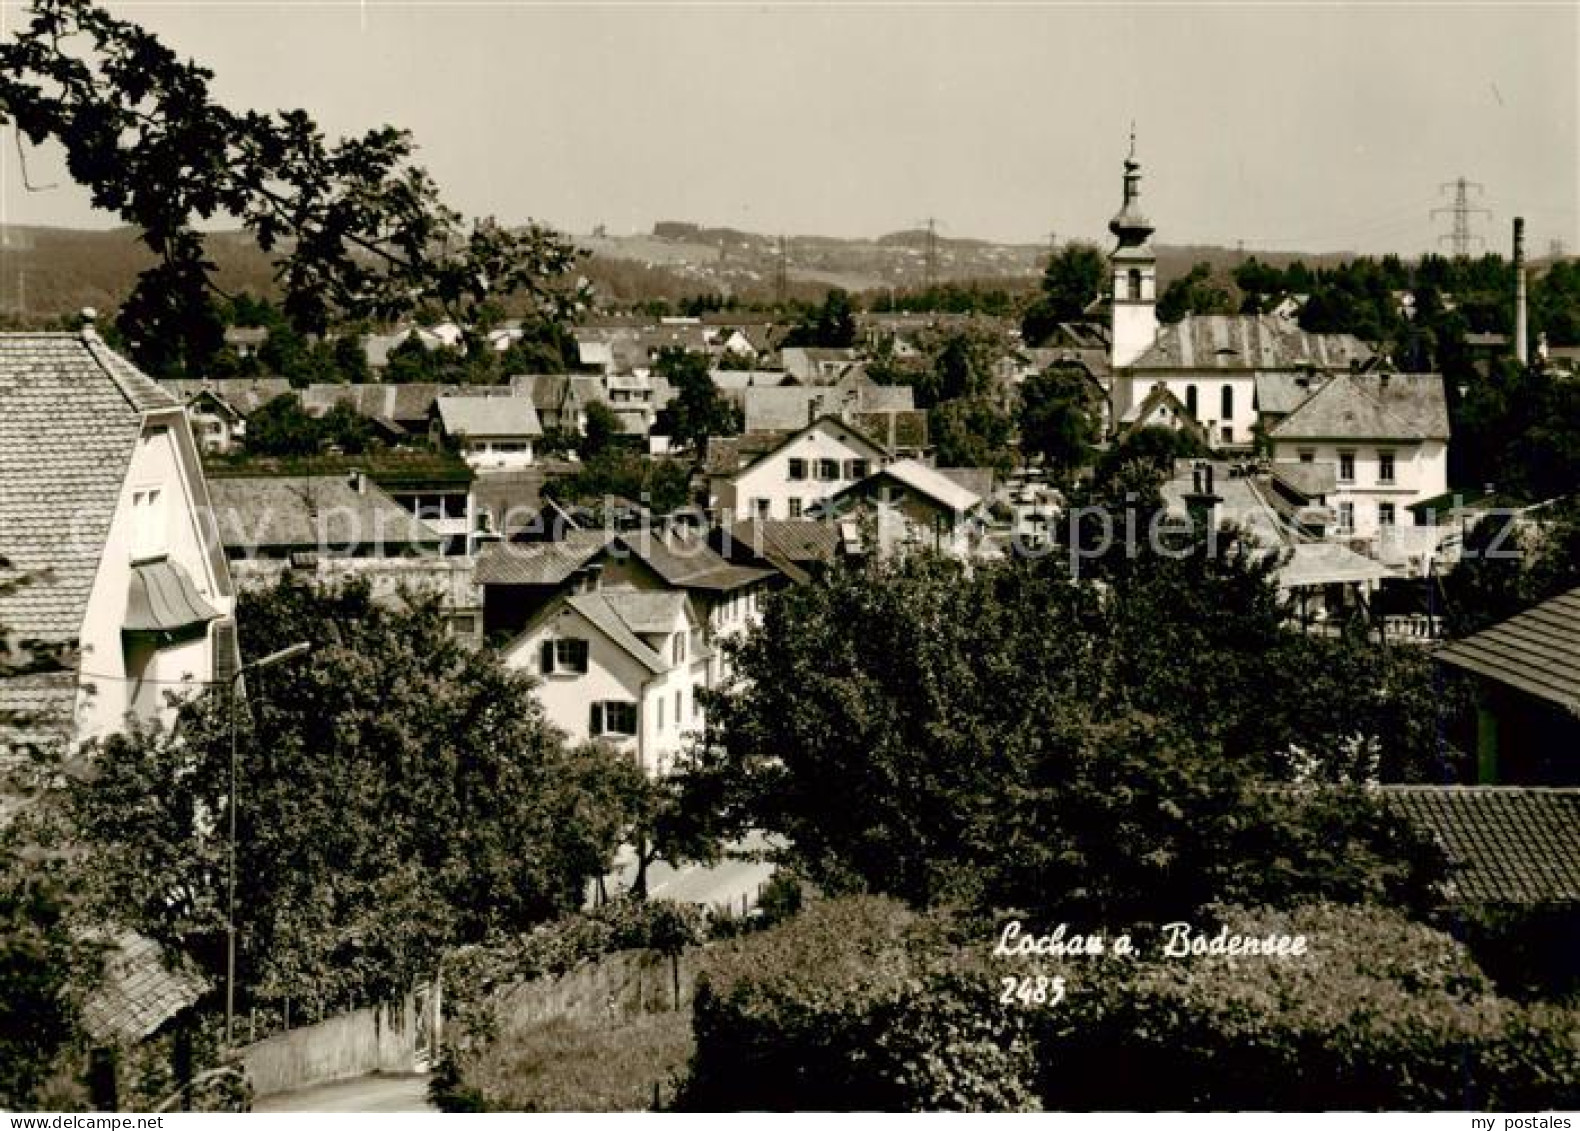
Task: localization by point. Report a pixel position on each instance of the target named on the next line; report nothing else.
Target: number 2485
(1029, 990)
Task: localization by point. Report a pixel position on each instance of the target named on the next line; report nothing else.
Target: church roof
(1248, 341)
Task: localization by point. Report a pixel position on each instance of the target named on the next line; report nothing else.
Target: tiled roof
(538, 563)
(548, 392)
(1247, 341)
(789, 408)
(919, 477)
(688, 562)
(977, 480)
(729, 454)
(139, 992)
(37, 707)
(1371, 406)
(1537, 651)
(596, 608)
(1309, 479)
(70, 416)
(1510, 845)
(794, 539)
(1281, 392)
(489, 416)
(318, 511)
(243, 394)
(646, 611)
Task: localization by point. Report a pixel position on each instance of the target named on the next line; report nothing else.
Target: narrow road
(365, 1093)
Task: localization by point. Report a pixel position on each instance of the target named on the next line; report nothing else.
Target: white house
(494, 433)
(771, 476)
(618, 665)
(105, 519)
(1385, 435)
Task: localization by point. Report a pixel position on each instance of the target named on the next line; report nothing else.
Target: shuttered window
(226, 659)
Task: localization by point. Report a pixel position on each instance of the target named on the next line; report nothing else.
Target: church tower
(1135, 272)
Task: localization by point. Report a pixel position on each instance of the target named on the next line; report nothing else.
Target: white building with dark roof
(110, 564)
(494, 433)
(1385, 437)
(621, 666)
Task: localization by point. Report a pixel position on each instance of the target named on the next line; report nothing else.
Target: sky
(1307, 126)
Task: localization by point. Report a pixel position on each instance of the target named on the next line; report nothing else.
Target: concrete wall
(377, 1039)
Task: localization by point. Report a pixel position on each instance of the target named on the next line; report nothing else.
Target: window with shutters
(222, 635)
(856, 469)
(610, 717)
(798, 469)
(795, 508)
(828, 470)
(1346, 467)
(1385, 467)
(566, 656)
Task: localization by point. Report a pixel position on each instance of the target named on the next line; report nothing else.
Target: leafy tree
(698, 410)
(399, 793)
(1072, 280)
(663, 485)
(357, 231)
(1008, 734)
(599, 429)
(283, 427)
(1152, 449)
(1195, 293)
(830, 326)
(1060, 418)
(971, 432)
(346, 428)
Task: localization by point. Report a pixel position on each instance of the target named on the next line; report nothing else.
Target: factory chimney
(1520, 351)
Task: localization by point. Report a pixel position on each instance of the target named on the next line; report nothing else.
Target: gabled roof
(311, 511)
(71, 412)
(924, 480)
(1160, 397)
(786, 408)
(688, 562)
(1537, 651)
(645, 611)
(1508, 845)
(503, 417)
(1371, 406)
(1247, 341)
(538, 563)
(788, 544)
(548, 392)
(139, 991)
(978, 480)
(730, 458)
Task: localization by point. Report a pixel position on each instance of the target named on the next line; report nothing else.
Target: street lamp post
(259, 664)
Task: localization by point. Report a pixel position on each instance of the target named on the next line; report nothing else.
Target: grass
(566, 1065)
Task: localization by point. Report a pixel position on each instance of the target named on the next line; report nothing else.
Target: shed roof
(1537, 651)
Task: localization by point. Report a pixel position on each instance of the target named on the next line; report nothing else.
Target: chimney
(1520, 352)
(357, 481)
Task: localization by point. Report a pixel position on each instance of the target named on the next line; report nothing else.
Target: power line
(1461, 238)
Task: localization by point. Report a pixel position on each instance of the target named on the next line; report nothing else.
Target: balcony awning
(162, 598)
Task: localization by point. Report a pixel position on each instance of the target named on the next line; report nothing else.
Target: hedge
(861, 1004)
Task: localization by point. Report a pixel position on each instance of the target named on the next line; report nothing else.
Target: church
(1206, 373)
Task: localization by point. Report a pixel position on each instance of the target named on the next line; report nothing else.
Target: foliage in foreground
(400, 794)
(1007, 734)
(566, 1065)
(860, 1004)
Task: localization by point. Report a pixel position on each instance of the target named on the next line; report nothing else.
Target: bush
(860, 1004)
(855, 1005)
(564, 1065)
(1382, 1014)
